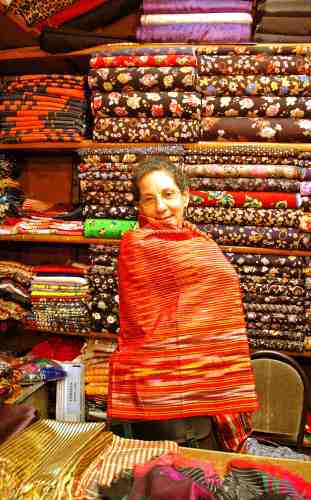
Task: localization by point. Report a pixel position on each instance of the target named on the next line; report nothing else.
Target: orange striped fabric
(183, 349)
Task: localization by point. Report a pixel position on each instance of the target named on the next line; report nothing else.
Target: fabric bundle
(265, 280)
(104, 294)
(11, 194)
(305, 190)
(95, 354)
(253, 94)
(43, 225)
(59, 298)
(190, 21)
(37, 15)
(144, 95)
(271, 215)
(15, 280)
(43, 107)
(285, 22)
(106, 188)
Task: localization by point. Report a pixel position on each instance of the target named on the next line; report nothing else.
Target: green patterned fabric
(107, 228)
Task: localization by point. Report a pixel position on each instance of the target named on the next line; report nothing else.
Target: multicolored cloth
(107, 228)
(163, 248)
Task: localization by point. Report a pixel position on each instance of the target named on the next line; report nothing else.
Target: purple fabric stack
(187, 21)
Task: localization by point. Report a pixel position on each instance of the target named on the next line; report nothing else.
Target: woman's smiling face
(161, 198)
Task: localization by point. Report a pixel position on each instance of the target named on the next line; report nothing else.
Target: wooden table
(220, 460)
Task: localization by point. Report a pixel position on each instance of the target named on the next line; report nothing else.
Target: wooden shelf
(294, 354)
(90, 334)
(35, 51)
(80, 240)
(58, 239)
(198, 146)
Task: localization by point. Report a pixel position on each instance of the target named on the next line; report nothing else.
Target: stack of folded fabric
(145, 95)
(273, 289)
(247, 196)
(59, 298)
(106, 186)
(307, 272)
(43, 108)
(255, 94)
(15, 280)
(97, 171)
(11, 195)
(104, 295)
(227, 21)
(285, 22)
(95, 355)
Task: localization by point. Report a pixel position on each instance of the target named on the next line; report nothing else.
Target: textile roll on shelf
(255, 94)
(284, 22)
(195, 21)
(145, 95)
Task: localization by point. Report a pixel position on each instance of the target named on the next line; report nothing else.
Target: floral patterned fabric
(283, 107)
(256, 129)
(285, 50)
(305, 188)
(253, 236)
(246, 184)
(145, 60)
(143, 79)
(118, 212)
(234, 170)
(281, 345)
(254, 65)
(252, 85)
(244, 199)
(292, 261)
(244, 217)
(284, 308)
(145, 130)
(147, 104)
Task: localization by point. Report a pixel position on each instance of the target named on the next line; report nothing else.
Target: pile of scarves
(95, 355)
(255, 93)
(81, 461)
(11, 194)
(145, 95)
(274, 291)
(15, 281)
(104, 294)
(73, 14)
(43, 107)
(59, 299)
(287, 21)
(209, 21)
(248, 196)
(188, 478)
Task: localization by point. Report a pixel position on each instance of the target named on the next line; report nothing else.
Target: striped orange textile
(183, 349)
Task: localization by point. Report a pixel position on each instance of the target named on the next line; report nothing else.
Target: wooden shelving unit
(80, 240)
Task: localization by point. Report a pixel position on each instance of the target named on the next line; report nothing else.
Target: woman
(183, 350)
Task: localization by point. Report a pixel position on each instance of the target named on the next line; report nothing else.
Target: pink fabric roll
(226, 32)
(178, 6)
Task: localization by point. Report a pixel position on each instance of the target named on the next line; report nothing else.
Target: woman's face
(161, 198)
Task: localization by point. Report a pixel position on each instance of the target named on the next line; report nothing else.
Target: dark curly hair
(154, 163)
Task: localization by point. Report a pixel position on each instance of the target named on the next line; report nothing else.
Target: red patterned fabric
(183, 349)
